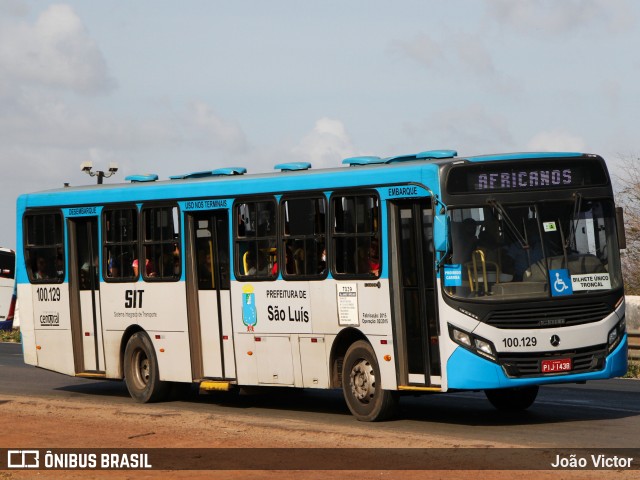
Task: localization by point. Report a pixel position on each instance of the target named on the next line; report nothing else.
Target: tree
(628, 197)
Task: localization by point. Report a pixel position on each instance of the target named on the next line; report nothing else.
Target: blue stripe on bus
(467, 371)
(227, 186)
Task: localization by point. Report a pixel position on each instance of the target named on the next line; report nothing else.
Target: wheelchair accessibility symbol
(560, 281)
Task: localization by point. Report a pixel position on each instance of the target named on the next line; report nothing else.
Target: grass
(634, 370)
(10, 336)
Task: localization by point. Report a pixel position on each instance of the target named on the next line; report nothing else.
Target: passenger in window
(522, 258)
(85, 275)
(298, 258)
(205, 273)
(250, 267)
(169, 262)
(59, 266)
(289, 263)
(113, 268)
(374, 258)
(41, 269)
(150, 270)
(242, 229)
(322, 262)
(176, 259)
(259, 266)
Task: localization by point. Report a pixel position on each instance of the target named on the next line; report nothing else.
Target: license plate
(559, 365)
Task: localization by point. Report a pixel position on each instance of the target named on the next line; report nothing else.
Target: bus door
(414, 295)
(84, 295)
(209, 295)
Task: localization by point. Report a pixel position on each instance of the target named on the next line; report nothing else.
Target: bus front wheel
(362, 387)
(141, 372)
(512, 399)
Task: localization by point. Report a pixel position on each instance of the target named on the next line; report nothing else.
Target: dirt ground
(80, 423)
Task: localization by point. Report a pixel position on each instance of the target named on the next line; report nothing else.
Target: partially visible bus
(7, 287)
(422, 273)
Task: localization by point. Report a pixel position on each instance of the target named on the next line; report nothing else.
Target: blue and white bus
(419, 273)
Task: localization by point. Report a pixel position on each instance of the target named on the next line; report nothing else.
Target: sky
(172, 87)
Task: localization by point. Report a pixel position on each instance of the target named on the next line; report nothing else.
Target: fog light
(461, 337)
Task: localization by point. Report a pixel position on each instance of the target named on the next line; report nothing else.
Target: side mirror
(441, 234)
(622, 237)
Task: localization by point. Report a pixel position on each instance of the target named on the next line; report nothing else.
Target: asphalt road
(596, 415)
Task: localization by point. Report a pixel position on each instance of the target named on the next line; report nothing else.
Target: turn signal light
(387, 358)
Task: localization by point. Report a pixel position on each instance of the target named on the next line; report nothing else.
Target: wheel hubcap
(363, 381)
(143, 371)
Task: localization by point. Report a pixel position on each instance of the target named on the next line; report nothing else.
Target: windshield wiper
(512, 226)
(573, 226)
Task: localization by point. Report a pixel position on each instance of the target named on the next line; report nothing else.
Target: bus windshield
(535, 250)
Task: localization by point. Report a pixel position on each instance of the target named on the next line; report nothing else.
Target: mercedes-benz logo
(555, 340)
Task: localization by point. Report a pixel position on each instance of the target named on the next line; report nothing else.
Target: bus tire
(362, 386)
(141, 372)
(512, 399)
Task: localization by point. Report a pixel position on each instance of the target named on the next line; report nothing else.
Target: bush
(10, 335)
(634, 370)
(629, 198)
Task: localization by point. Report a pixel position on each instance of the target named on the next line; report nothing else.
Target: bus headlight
(483, 346)
(469, 341)
(461, 337)
(616, 334)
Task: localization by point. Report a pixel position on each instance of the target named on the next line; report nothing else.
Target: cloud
(552, 16)
(470, 131)
(324, 146)
(13, 7)
(473, 55)
(556, 141)
(422, 48)
(55, 51)
(459, 54)
(208, 129)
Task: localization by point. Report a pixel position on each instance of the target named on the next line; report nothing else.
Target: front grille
(590, 359)
(549, 317)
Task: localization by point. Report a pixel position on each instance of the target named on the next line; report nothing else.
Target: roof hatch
(293, 166)
(211, 173)
(366, 160)
(428, 155)
(149, 177)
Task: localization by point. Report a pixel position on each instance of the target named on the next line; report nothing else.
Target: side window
(120, 240)
(161, 244)
(44, 253)
(356, 235)
(304, 237)
(255, 245)
(7, 264)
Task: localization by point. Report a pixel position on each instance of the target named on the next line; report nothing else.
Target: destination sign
(521, 176)
(525, 179)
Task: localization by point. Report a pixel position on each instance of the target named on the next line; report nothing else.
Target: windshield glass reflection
(507, 252)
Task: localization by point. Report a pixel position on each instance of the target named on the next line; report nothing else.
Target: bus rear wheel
(512, 399)
(362, 386)
(141, 372)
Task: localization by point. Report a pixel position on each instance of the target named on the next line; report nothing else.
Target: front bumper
(467, 371)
